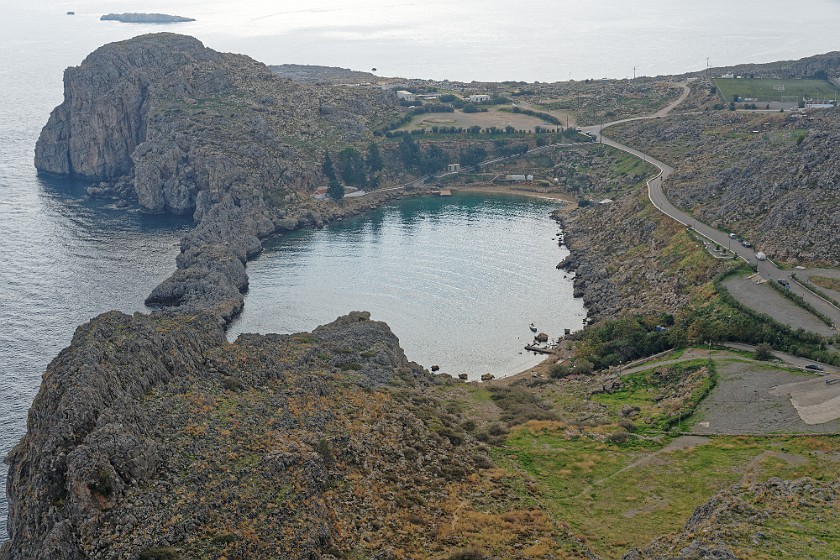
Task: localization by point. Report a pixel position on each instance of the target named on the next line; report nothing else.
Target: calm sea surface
(65, 259)
(458, 280)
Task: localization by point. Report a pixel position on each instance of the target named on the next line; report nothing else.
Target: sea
(65, 259)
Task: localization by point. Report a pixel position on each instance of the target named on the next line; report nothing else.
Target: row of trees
(474, 130)
(414, 158)
(355, 170)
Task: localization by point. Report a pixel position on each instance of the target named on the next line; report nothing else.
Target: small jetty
(539, 349)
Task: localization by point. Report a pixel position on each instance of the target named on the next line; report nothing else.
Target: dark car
(814, 367)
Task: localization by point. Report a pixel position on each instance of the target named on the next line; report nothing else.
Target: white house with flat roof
(478, 98)
(406, 95)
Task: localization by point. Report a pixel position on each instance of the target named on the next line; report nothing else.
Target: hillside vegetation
(770, 177)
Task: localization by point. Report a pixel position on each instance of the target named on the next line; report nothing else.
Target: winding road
(766, 268)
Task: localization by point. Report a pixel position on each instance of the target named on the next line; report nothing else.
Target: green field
(768, 90)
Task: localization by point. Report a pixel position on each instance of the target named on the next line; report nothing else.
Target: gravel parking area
(765, 299)
(751, 398)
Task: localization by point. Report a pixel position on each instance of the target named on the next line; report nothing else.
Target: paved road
(766, 268)
(788, 359)
(764, 299)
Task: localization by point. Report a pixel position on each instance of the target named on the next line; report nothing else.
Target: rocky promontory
(153, 437)
(172, 126)
(145, 18)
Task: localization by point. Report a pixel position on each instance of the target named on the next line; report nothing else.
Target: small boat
(532, 327)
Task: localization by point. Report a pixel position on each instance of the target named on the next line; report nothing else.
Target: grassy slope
(615, 497)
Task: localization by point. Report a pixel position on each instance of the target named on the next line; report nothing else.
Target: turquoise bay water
(458, 280)
(65, 259)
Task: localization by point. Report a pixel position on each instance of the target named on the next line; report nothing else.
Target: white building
(453, 167)
(406, 95)
(480, 98)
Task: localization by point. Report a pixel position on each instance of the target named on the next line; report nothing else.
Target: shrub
(763, 352)
(618, 437)
(559, 371)
(519, 405)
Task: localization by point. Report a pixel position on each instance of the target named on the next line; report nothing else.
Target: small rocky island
(145, 18)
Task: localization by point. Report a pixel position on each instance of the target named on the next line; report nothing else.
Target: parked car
(746, 244)
(815, 367)
(733, 236)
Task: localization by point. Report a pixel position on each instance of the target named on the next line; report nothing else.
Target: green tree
(352, 167)
(435, 159)
(327, 166)
(335, 189)
(374, 158)
(472, 156)
(410, 152)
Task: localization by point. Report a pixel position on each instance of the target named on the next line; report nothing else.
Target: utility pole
(634, 73)
(708, 77)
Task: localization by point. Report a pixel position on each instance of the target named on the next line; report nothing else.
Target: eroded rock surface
(152, 433)
(163, 122)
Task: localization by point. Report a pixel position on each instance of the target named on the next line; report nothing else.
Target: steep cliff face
(174, 118)
(85, 444)
(152, 435)
(107, 99)
(176, 127)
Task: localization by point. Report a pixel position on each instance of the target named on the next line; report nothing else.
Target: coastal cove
(458, 279)
(233, 392)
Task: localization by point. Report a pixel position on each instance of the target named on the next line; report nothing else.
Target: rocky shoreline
(634, 265)
(153, 437)
(208, 134)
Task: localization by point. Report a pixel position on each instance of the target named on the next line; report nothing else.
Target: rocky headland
(145, 18)
(154, 437)
(169, 125)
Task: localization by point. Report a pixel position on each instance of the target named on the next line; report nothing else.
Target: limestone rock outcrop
(152, 436)
(163, 122)
(107, 100)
